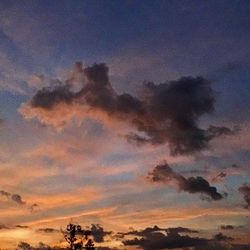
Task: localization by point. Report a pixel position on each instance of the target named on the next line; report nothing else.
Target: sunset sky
(131, 118)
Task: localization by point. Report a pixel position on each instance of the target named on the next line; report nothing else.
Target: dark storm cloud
(164, 174)
(99, 233)
(245, 191)
(14, 197)
(164, 113)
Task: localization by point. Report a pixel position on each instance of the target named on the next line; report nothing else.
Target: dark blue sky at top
(99, 28)
(191, 37)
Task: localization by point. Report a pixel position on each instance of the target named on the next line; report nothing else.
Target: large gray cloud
(165, 113)
(164, 174)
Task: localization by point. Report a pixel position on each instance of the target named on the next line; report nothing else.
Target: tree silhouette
(90, 245)
(76, 236)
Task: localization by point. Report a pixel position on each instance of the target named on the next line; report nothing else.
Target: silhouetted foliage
(76, 236)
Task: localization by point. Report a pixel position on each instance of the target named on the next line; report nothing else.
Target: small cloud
(13, 197)
(222, 237)
(245, 191)
(99, 233)
(164, 174)
(21, 226)
(227, 227)
(219, 177)
(33, 207)
(48, 230)
(18, 199)
(36, 81)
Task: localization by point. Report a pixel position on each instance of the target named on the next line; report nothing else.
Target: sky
(130, 118)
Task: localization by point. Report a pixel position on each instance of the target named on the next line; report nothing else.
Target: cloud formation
(41, 246)
(165, 113)
(21, 226)
(147, 231)
(99, 233)
(173, 238)
(219, 177)
(13, 197)
(47, 230)
(17, 199)
(227, 227)
(230, 227)
(164, 174)
(33, 207)
(245, 191)
(221, 237)
(157, 238)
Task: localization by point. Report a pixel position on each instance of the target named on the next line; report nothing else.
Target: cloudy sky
(131, 118)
